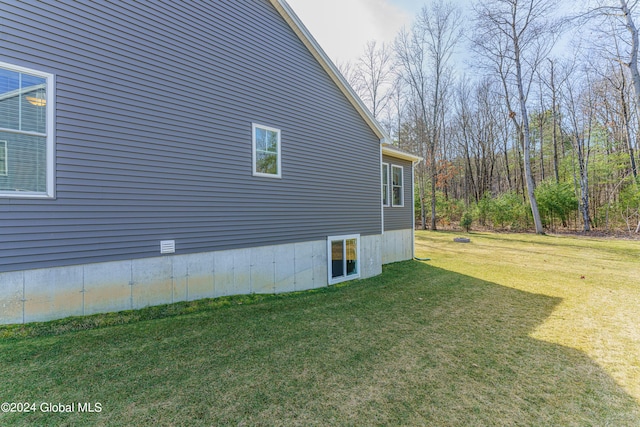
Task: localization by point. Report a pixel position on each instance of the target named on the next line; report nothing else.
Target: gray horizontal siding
(400, 218)
(154, 105)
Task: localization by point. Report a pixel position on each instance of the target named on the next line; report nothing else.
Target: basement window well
(343, 253)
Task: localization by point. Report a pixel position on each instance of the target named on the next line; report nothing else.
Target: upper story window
(385, 184)
(397, 175)
(3, 158)
(266, 151)
(26, 132)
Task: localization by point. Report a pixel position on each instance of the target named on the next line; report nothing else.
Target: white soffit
(391, 151)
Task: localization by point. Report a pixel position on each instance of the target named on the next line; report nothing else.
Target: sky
(343, 27)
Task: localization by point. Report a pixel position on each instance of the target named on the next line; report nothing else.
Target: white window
(397, 197)
(266, 151)
(343, 253)
(3, 158)
(385, 184)
(26, 130)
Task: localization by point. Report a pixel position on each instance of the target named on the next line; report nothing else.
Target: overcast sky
(343, 27)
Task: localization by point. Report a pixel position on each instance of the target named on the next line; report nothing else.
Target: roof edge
(314, 47)
(392, 151)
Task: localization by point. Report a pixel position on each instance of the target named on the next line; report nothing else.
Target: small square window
(266, 151)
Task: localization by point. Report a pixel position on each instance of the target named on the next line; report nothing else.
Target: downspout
(413, 209)
(381, 191)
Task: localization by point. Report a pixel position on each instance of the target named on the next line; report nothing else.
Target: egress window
(266, 151)
(26, 132)
(343, 253)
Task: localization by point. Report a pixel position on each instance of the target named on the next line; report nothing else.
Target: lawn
(505, 330)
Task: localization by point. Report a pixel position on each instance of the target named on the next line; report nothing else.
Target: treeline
(538, 138)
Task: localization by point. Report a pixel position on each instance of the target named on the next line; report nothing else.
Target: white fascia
(391, 151)
(310, 42)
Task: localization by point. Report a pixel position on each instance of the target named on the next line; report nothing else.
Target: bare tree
(515, 36)
(479, 135)
(424, 55)
(635, 76)
(442, 23)
(373, 77)
(464, 124)
(579, 102)
(553, 86)
(348, 71)
(412, 57)
(614, 20)
(633, 48)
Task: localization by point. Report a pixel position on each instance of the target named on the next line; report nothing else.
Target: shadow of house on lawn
(482, 366)
(417, 345)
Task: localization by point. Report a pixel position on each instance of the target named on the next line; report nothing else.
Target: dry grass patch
(597, 280)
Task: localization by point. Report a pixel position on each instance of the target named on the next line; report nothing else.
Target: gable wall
(154, 106)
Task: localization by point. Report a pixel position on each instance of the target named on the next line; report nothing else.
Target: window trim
(330, 239)
(386, 203)
(254, 151)
(401, 186)
(3, 147)
(49, 193)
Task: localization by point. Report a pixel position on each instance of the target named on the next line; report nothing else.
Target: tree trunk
(633, 66)
(584, 183)
(434, 175)
(537, 221)
(542, 175)
(520, 185)
(506, 163)
(470, 178)
(435, 136)
(554, 109)
(541, 135)
(584, 200)
(626, 123)
(423, 213)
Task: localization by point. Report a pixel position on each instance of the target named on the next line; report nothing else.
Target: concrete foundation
(47, 294)
(397, 245)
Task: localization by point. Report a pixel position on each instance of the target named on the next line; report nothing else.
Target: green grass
(500, 331)
(598, 282)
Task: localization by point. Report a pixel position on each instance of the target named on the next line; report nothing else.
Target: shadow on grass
(417, 345)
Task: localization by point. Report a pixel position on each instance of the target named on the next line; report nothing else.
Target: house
(153, 152)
